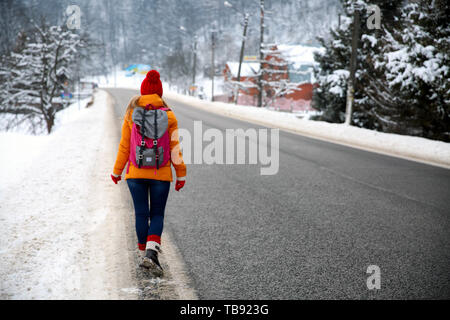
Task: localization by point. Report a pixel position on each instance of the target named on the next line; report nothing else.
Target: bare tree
(34, 75)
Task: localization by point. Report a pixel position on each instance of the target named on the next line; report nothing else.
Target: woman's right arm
(175, 150)
(124, 148)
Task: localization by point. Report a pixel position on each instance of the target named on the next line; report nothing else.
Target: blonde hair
(131, 105)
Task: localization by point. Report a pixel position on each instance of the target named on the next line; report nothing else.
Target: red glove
(179, 184)
(116, 179)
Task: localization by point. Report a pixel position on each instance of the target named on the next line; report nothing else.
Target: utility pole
(261, 56)
(241, 56)
(213, 44)
(79, 82)
(351, 78)
(194, 66)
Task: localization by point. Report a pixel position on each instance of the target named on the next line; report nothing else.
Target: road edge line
(177, 269)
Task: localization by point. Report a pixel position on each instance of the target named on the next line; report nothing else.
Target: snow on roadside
(19, 150)
(417, 148)
(119, 80)
(50, 208)
(70, 113)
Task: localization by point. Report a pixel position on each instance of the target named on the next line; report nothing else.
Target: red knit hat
(152, 84)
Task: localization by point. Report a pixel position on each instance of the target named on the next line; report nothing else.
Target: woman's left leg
(139, 189)
(159, 192)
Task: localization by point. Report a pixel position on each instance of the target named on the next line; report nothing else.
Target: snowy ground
(205, 84)
(60, 236)
(6, 120)
(67, 230)
(117, 80)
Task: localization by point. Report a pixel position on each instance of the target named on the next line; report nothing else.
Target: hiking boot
(151, 262)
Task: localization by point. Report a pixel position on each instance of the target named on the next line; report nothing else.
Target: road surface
(312, 230)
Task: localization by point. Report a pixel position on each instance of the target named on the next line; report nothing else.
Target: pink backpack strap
(152, 107)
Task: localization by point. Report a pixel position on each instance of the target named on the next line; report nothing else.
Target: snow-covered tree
(402, 69)
(334, 63)
(333, 72)
(34, 74)
(415, 62)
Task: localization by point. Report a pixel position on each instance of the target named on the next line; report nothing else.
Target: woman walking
(148, 147)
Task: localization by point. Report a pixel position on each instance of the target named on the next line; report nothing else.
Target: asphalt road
(312, 230)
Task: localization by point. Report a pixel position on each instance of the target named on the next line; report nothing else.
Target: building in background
(248, 94)
(284, 65)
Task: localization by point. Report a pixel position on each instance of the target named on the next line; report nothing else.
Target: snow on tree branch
(33, 76)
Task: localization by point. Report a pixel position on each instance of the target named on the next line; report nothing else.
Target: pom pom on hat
(152, 76)
(152, 84)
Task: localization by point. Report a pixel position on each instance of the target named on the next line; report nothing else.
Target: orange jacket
(164, 173)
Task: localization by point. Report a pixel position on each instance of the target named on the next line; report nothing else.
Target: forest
(161, 33)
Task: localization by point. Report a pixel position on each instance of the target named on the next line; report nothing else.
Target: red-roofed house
(292, 64)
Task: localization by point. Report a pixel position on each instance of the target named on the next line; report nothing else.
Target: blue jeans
(159, 191)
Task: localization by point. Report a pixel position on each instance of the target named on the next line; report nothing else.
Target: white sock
(153, 245)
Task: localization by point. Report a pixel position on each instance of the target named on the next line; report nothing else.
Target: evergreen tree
(332, 73)
(334, 64)
(402, 69)
(415, 61)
